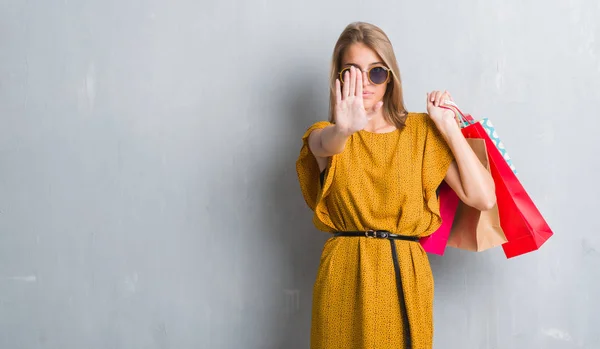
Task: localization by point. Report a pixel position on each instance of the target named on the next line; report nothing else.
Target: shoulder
(319, 124)
(316, 126)
(419, 122)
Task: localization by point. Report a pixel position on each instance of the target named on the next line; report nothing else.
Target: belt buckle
(377, 234)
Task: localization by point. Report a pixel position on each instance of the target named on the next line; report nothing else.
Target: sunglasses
(377, 75)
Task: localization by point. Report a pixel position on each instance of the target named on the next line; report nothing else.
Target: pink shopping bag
(436, 242)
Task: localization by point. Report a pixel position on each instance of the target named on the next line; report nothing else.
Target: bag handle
(464, 119)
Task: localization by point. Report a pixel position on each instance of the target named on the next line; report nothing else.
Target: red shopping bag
(437, 241)
(522, 223)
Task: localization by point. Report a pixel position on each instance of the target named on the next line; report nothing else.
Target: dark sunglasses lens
(378, 75)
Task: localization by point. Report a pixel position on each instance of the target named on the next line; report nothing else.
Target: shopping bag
(436, 242)
(476, 230)
(491, 132)
(524, 226)
(466, 120)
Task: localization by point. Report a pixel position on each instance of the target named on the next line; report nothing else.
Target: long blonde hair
(373, 37)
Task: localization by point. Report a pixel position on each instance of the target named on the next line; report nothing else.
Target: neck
(379, 124)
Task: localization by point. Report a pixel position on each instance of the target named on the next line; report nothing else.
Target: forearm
(476, 181)
(329, 141)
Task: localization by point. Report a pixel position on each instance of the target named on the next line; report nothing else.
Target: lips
(367, 94)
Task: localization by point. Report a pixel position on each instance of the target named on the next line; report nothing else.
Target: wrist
(342, 132)
(451, 131)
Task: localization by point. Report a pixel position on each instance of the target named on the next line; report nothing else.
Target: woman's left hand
(443, 118)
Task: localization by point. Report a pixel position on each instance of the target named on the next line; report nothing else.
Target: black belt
(380, 234)
(384, 234)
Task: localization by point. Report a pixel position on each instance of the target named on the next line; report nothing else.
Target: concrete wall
(148, 194)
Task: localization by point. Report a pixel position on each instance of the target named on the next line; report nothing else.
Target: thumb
(377, 106)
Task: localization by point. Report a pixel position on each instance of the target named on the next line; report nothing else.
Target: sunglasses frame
(368, 71)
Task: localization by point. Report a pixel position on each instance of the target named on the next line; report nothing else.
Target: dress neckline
(379, 133)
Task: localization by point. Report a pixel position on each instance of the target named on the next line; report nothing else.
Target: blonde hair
(373, 37)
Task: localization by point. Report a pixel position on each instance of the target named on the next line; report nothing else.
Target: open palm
(350, 113)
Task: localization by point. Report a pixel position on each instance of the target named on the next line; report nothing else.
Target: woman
(370, 175)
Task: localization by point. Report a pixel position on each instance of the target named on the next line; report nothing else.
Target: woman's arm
(350, 116)
(469, 179)
(327, 141)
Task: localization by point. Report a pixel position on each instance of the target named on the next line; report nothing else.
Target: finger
(431, 96)
(352, 81)
(346, 84)
(446, 98)
(359, 85)
(429, 100)
(338, 91)
(438, 98)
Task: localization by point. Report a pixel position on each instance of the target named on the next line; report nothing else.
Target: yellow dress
(384, 181)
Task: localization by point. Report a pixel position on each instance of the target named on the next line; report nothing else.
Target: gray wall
(148, 195)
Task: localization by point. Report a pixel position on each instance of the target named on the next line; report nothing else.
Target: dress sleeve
(437, 157)
(313, 189)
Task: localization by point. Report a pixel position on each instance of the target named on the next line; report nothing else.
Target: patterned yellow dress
(384, 181)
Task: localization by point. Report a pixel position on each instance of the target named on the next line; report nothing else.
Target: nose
(365, 79)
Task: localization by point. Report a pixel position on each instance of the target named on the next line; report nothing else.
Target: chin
(368, 104)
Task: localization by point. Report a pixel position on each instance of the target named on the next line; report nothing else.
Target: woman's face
(363, 58)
